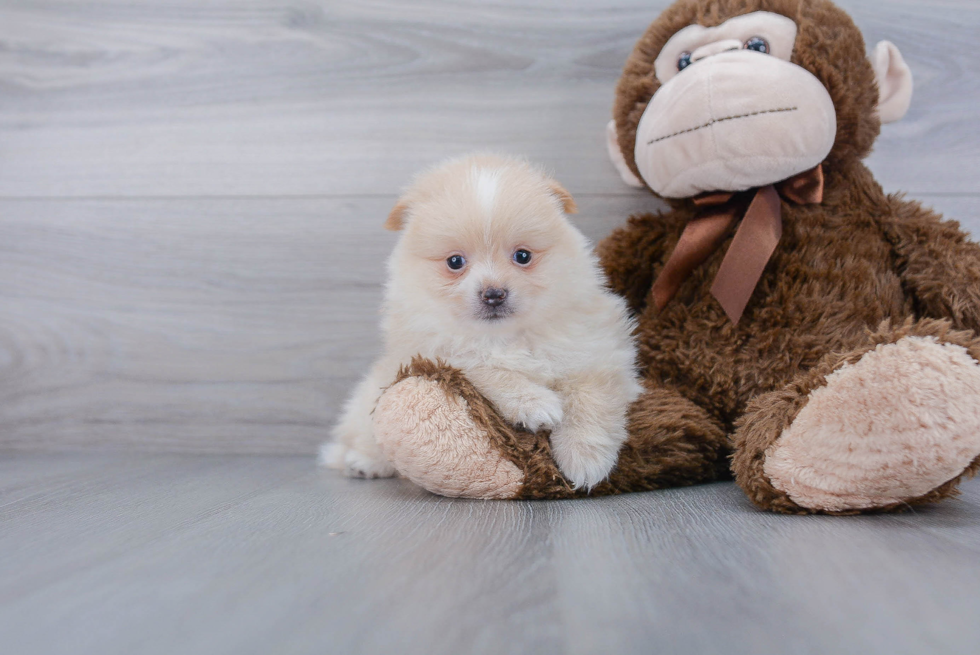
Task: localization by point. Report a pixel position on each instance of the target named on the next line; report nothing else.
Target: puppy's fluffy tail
(331, 455)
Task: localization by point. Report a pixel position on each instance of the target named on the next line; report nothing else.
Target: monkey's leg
(439, 432)
(672, 443)
(887, 425)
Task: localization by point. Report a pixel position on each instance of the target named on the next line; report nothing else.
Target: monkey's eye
(684, 61)
(522, 257)
(758, 44)
(456, 262)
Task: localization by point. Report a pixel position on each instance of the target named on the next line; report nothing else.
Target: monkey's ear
(567, 201)
(616, 156)
(894, 82)
(396, 219)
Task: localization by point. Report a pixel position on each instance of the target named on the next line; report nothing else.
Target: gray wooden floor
(249, 554)
(191, 256)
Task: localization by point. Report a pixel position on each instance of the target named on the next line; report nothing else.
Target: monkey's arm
(938, 264)
(632, 254)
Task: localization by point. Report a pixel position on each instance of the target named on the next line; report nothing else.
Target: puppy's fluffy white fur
(556, 353)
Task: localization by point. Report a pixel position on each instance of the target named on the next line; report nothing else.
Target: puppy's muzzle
(494, 297)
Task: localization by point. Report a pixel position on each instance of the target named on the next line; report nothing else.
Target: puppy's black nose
(494, 297)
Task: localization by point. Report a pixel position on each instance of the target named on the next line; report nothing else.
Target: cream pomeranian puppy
(491, 277)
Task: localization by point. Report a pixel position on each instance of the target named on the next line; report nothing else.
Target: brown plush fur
(841, 269)
(833, 275)
(858, 270)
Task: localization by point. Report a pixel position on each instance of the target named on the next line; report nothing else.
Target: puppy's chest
(542, 364)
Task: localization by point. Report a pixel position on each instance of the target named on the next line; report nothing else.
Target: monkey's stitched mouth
(722, 120)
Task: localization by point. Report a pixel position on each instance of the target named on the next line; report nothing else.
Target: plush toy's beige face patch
(732, 112)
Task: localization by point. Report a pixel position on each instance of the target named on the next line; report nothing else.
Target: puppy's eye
(456, 262)
(522, 257)
(684, 61)
(758, 44)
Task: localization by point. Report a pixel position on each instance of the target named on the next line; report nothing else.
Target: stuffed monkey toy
(798, 328)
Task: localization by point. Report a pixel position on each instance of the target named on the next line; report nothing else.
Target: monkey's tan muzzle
(731, 122)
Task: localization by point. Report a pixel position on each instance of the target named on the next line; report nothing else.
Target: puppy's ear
(567, 201)
(396, 219)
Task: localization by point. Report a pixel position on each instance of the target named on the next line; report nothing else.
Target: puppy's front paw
(541, 408)
(584, 461)
(362, 465)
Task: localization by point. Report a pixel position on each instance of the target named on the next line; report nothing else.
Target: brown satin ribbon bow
(755, 240)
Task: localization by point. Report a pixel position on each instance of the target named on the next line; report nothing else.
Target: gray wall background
(192, 193)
